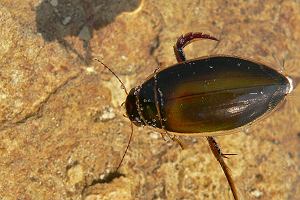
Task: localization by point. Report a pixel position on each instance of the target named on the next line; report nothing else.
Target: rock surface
(62, 130)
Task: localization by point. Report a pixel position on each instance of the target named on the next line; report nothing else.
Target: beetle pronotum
(205, 96)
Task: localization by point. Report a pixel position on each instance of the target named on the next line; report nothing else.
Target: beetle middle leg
(187, 39)
(164, 133)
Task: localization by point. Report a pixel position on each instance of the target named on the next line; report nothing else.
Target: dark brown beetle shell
(207, 95)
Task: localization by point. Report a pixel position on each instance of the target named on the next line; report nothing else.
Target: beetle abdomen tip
(291, 85)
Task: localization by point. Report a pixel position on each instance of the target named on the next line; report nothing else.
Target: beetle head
(132, 108)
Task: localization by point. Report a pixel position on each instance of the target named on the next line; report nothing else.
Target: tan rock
(62, 130)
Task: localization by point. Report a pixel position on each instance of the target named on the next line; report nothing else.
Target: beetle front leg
(186, 39)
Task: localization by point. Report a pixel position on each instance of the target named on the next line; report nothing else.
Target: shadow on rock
(57, 19)
(106, 180)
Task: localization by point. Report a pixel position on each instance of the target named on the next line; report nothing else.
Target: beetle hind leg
(219, 156)
(186, 39)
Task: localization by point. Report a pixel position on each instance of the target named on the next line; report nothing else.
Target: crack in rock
(36, 113)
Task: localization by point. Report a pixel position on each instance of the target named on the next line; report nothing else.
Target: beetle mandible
(205, 96)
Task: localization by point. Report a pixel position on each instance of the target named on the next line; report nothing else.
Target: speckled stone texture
(62, 130)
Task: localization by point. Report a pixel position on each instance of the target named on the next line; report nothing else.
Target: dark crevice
(155, 44)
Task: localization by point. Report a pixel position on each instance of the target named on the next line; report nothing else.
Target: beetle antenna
(122, 84)
(127, 147)
(131, 125)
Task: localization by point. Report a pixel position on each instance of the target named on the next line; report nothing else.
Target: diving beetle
(205, 96)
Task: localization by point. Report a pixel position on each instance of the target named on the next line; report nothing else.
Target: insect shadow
(58, 19)
(107, 179)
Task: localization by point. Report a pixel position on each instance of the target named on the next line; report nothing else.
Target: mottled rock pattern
(62, 130)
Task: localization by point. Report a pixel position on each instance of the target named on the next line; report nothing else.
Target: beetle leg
(219, 156)
(163, 135)
(178, 141)
(186, 39)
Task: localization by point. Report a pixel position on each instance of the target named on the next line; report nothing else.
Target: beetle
(205, 96)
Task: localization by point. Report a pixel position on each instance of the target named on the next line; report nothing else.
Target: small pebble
(85, 34)
(154, 135)
(54, 3)
(66, 20)
(107, 114)
(256, 193)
